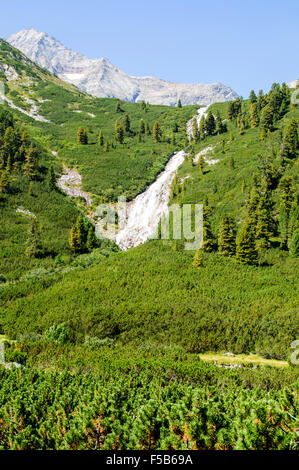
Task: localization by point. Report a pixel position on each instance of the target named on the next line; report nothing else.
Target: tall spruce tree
(264, 224)
(245, 244)
(51, 179)
(294, 249)
(254, 116)
(227, 237)
(31, 165)
(34, 247)
(156, 132)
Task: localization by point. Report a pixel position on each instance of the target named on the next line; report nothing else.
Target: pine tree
(290, 141)
(81, 136)
(252, 97)
(143, 105)
(119, 134)
(101, 138)
(147, 129)
(118, 108)
(141, 127)
(245, 244)
(127, 124)
(51, 179)
(264, 223)
(294, 249)
(287, 190)
(260, 100)
(34, 246)
(230, 111)
(195, 130)
(156, 132)
(210, 124)
(31, 165)
(202, 126)
(179, 104)
(198, 259)
(283, 226)
(201, 163)
(267, 118)
(227, 237)
(209, 242)
(75, 241)
(4, 182)
(219, 129)
(92, 241)
(254, 117)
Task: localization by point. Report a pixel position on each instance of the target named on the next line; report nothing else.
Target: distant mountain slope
(101, 78)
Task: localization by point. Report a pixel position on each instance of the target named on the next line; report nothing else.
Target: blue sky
(244, 44)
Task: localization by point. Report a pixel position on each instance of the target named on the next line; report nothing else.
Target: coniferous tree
(143, 105)
(51, 179)
(195, 130)
(118, 108)
(219, 126)
(202, 126)
(141, 127)
(33, 244)
(252, 97)
(201, 163)
(81, 136)
(198, 259)
(264, 223)
(210, 124)
(4, 182)
(267, 118)
(101, 138)
(254, 117)
(209, 242)
(127, 124)
(290, 141)
(179, 104)
(75, 241)
(227, 237)
(92, 241)
(245, 244)
(147, 129)
(31, 165)
(287, 190)
(294, 249)
(106, 147)
(283, 226)
(156, 132)
(119, 133)
(260, 100)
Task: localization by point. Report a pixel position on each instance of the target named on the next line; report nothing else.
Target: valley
(129, 343)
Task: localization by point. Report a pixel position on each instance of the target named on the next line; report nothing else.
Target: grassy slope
(126, 169)
(153, 292)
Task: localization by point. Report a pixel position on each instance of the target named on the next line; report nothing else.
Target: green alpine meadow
(112, 338)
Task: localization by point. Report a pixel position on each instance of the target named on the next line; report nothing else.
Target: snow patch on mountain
(101, 78)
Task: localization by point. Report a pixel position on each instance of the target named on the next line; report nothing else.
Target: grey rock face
(101, 78)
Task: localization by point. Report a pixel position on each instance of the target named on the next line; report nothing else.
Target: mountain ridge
(99, 77)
